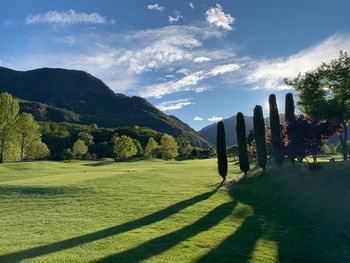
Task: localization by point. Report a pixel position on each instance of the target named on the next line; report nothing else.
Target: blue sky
(197, 60)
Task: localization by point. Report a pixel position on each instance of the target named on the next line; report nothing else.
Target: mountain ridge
(209, 132)
(92, 100)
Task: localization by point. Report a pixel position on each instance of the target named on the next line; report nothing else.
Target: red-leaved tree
(304, 137)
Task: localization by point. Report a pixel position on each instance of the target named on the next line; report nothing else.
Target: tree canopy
(168, 147)
(324, 94)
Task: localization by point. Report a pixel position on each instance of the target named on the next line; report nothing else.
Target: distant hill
(44, 112)
(209, 132)
(78, 97)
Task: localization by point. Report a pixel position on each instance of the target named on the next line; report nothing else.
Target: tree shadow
(165, 242)
(294, 212)
(34, 191)
(99, 163)
(83, 239)
(239, 246)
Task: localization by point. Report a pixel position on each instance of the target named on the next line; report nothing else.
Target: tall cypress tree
(221, 150)
(242, 144)
(276, 138)
(260, 137)
(289, 108)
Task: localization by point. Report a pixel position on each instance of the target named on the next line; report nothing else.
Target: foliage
(324, 94)
(9, 109)
(80, 148)
(276, 138)
(124, 148)
(101, 149)
(242, 144)
(185, 148)
(289, 112)
(151, 148)
(221, 150)
(138, 147)
(260, 138)
(86, 137)
(37, 151)
(168, 147)
(305, 137)
(67, 154)
(232, 151)
(29, 138)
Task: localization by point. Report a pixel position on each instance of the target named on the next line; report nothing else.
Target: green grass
(171, 211)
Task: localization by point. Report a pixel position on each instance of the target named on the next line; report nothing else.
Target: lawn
(172, 211)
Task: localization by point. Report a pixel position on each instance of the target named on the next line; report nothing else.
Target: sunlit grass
(171, 211)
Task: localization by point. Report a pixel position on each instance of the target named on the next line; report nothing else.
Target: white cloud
(67, 18)
(269, 74)
(183, 71)
(191, 5)
(223, 69)
(156, 7)
(197, 118)
(177, 16)
(215, 119)
(216, 16)
(174, 104)
(201, 59)
(186, 83)
(120, 59)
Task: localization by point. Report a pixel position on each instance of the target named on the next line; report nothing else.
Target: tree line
(324, 104)
(22, 138)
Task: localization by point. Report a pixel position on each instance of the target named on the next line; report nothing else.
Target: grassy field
(169, 211)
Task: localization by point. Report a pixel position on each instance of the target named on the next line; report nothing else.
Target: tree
(260, 137)
(221, 150)
(232, 151)
(80, 148)
(67, 154)
(305, 137)
(101, 149)
(138, 147)
(242, 144)
(151, 147)
(37, 151)
(324, 94)
(168, 147)
(289, 108)
(29, 137)
(276, 138)
(124, 148)
(86, 137)
(185, 147)
(9, 109)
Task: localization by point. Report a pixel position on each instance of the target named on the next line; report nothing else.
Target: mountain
(44, 112)
(209, 132)
(76, 96)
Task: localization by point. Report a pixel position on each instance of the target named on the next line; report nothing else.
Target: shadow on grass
(297, 210)
(80, 240)
(239, 246)
(99, 163)
(165, 242)
(33, 191)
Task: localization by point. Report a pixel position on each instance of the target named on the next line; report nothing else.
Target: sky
(200, 61)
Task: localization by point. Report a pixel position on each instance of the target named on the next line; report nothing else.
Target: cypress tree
(276, 138)
(260, 137)
(221, 150)
(242, 144)
(289, 108)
